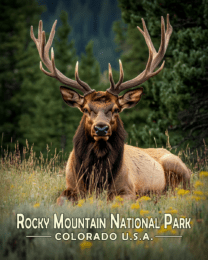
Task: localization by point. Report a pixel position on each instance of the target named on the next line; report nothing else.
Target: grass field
(30, 186)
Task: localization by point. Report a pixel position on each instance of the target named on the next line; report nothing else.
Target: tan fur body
(142, 170)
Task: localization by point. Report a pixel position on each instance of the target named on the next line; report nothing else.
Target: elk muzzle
(101, 128)
(101, 131)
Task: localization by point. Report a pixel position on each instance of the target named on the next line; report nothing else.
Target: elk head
(101, 109)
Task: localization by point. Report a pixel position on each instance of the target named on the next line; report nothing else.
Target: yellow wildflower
(85, 244)
(143, 212)
(183, 192)
(135, 206)
(163, 230)
(203, 174)
(187, 192)
(12, 186)
(91, 200)
(160, 211)
(36, 205)
(171, 211)
(118, 198)
(198, 183)
(198, 192)
(197, 198)
(115, 205)
(139, 230)
(80, 203)
(144, 198)
(169, 228)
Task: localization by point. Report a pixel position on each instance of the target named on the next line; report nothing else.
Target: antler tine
(168, 32)
(146, 35)
(43, 49)
(121, 74)
(153, 60)
(42, 44)
(82, 83)
(40, 28)
(51, 36)
(113, 86)
(111, 77)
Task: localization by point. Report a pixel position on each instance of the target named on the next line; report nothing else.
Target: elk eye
(85, 110)
(116, 110)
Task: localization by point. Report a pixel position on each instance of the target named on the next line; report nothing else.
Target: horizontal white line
(38, 236)
(168, 236)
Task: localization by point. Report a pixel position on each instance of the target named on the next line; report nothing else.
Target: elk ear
(130, 98)
(71, 97)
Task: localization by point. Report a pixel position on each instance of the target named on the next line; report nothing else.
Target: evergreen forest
(174, 107)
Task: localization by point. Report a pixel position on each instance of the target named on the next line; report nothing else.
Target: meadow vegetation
(30, 185)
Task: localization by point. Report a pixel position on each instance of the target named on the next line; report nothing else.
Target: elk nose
(101, 129)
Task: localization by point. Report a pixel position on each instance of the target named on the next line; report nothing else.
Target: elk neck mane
(102, 158)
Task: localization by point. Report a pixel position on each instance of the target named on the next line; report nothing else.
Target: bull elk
(100, 160)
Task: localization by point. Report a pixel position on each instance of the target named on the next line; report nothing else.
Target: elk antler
(153, 60)
(43, 49)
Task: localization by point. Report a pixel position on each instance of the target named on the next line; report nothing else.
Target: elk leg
(66, 195)
(176, 169)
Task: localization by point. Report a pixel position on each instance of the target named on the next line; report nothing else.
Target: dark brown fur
(103, 159)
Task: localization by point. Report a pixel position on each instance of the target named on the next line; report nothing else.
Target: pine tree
(180, 94)
(66, 59)
(89, 68)
(16, 18)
